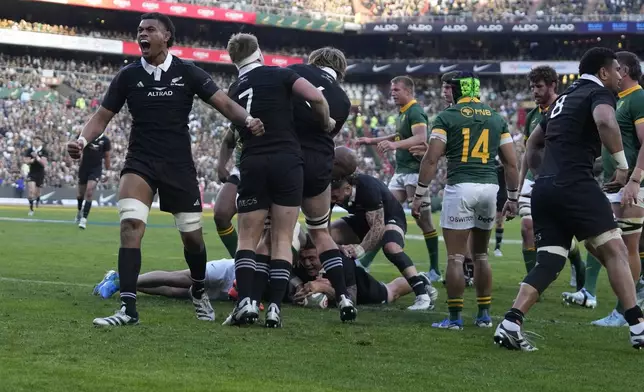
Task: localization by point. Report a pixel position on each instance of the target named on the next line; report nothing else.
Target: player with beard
(376, 220)
(90, 173)
(470, 135)
(567, 202)
(411, 131)
(543, 84)
(36, 157)
(159, 90)
(271, 171)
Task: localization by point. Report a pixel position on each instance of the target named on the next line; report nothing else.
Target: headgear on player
(464, 84)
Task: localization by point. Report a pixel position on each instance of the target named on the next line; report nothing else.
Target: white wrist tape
(620, 158)
(421, 189)
(513, 194)
(248, 120)
(359, 251)
(83, 140)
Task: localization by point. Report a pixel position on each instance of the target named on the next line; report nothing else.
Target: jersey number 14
(481, 148)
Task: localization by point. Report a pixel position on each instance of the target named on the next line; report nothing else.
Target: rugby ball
(316, 300)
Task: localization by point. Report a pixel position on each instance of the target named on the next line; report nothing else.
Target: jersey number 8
(481, 148)
(558, 106)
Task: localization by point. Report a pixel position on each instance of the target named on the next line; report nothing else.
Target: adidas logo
(197, 203)
(140, 84)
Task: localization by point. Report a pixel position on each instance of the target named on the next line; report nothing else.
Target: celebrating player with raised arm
(159, 90)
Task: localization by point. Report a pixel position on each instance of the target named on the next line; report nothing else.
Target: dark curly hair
(543, 73)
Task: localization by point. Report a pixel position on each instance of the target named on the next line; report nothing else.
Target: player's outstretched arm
(93, 129)
(419, 136)
(305, 90)
(235, 113)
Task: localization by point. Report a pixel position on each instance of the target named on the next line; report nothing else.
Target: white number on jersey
(247, 93)
(558, 106)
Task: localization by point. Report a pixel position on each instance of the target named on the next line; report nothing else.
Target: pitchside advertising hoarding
(505, 28)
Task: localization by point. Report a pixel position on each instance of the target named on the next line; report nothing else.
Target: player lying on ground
(470, 134)
(567, 202)
(308, 279)
(630, 117)
(159, 90)
(376, 221)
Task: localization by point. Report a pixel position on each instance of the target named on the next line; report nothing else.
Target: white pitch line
(414, 237)
(365, 307)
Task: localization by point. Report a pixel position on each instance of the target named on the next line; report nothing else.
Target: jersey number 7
(247, 93)
(481, 148)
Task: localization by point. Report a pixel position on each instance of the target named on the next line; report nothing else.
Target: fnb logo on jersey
(178, 9)
(467, 111)
(150, 5)
(208, 13)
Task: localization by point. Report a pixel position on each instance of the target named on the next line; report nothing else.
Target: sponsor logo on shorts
(485, 220)
(251, 201)
(461, 219)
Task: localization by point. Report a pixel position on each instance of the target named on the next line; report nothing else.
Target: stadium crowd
(60, 119)
(493, 10)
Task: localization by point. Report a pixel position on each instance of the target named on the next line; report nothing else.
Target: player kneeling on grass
(312, 289)
(470, 134)
(376, 220)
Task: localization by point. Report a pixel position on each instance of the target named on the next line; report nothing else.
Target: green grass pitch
(47, 341)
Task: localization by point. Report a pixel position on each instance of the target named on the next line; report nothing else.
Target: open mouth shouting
(145, 45)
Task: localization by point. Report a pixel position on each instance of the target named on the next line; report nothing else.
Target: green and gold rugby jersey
(629, 113)
(532, 120)
(473, 133)
(409, 115)
(238, 145)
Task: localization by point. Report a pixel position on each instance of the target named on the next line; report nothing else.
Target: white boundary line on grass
(414, 237)
(365, 307)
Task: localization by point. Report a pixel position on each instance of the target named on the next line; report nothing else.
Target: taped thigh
(130, 208)
(187, 222)
(603, 238)
(630, 225)
(319, 223)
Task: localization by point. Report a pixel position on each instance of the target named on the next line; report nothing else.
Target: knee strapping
(393, 236)
(187, 222)
(318, 223)
(630, 225)
(456, 258)
(603, 238)
(426, 202)
(481, 257)
(400, 260)
(550, 261)
(130, 208)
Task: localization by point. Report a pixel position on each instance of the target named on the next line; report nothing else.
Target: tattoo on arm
(376, 220)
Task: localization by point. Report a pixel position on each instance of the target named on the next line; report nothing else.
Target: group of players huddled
(283, 121)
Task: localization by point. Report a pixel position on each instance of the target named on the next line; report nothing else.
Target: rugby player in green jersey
(630, 117)
(543, 85)
(411, 131)
(226, 203)
(471, 135)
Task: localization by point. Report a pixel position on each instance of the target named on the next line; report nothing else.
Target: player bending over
(470, 134)
(376, 220)
(567, 202)
(90, 172)
(159, 90)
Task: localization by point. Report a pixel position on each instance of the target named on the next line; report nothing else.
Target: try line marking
(414, 237)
